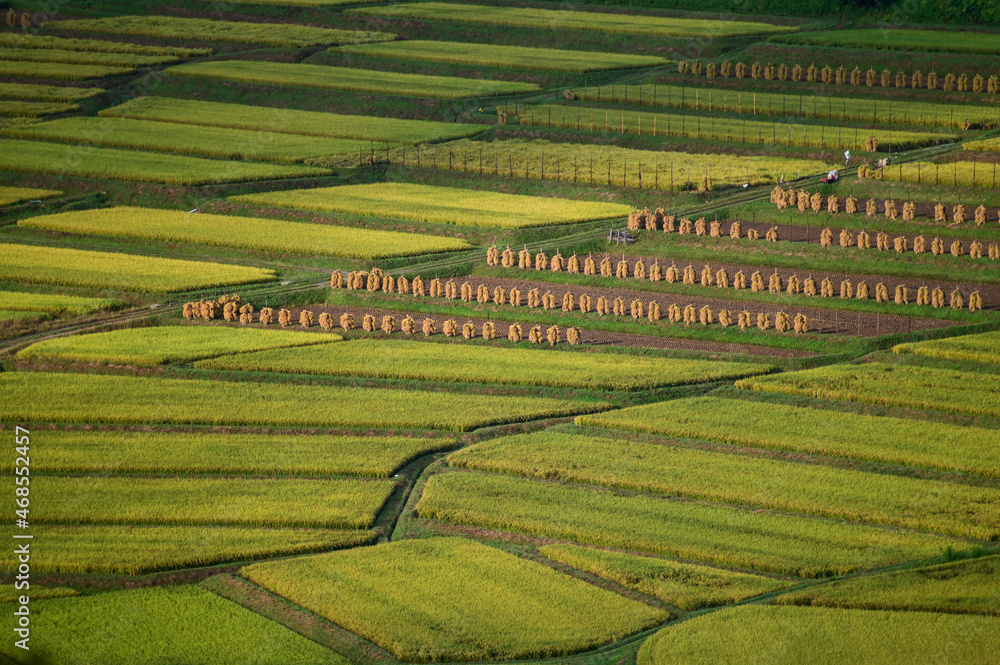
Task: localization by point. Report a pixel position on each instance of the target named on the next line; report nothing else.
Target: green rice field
(125, 399)
(447, 205)
(395, 595)
(84, 57)
(9, 594)
(59, 70)
(132, 272)
(136, 166)
(900, 40)
(55, 304)
(35, 41)
(11, 195)
(19, 109)
(346, 78)
(926, 444)
(757, 540)
(245, 233)
(46, 93)
(438, 362)
(289, 121)
(984, 347)
(515, 57)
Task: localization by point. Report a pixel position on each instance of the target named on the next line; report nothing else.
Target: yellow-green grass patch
(46, 93)
(853, 109)
(94, 162)
(347, 78)
(722, 129)
(173, 27)
(684, 585)
(21, 40)
(285, 502)
(177, 624)
(290, 121)
(627, 167)
(166, 344)
(258, 454)
(413, 598)
(245, 233)
(220, 142)
(820, 432)
(55, 303)
(984, 348)
(20, 109)
(822, 636)
(84, 57)
(491, 55)
(32, 396)
(971, 585)
(59, 70)
(11, 195)
(131, 272)
(447, 205)
(892, 385)
(784, 544)
(10, 594)
(401, 359)
(959, 510)
(550, 19)
(138, 550)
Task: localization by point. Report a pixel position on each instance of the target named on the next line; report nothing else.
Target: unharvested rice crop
(54, 304)
(46, 93)
(92, 162)
(684, 585)
(137, 550)
(447, 205)
(346, 78)
(961, 586)
(245, 233)
(907, 386)
(172, 27)
(722, 129)
(779, 426)
(9, 594)
(132, 272)
(180, 624)
(305, 3)
(220, 142)
(84, 57)
(764, 633)
(899, 40)
(327, 504)
(166, 344)
(986, 145)
(12, 316)
(290, 121)
(124, 399)
(19, 109)
(572, 20)
(958, 174)
(11, 195)
(853, 109)
(18, 40)
(211, 453)
(397, 596)
(984, 348)
(59, 70)
(783, 544)
(515, 57)
(606, 164)
(479, 364)
(949, 508)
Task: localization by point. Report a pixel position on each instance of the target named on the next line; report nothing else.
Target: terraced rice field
(11, 195)
(571, 20)
(46, 93)
(394, 595)
(36, 41)
(136, 166)
(132, 272)
(899, 40)
(447, 205)
(489, 55)
(54, 304)
(59, 70)
(19, 109)
(957, 174)
(173, 27)
(126, 399)
(245, 233)
(439, 362)
(84, 57)
(984, 348)
(289, 121)
(346, 78)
